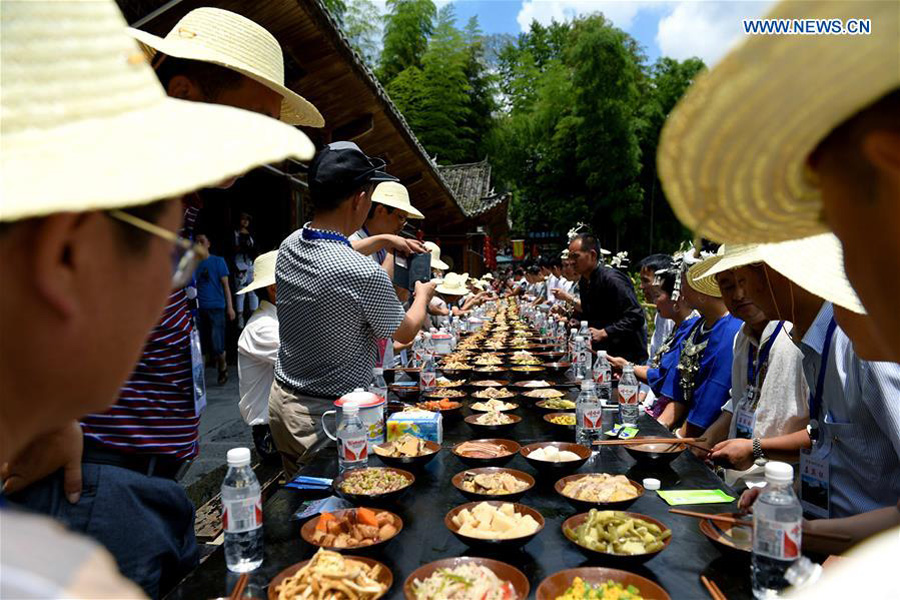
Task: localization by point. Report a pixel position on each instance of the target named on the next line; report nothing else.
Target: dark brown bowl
(494, 544)
(306, 532)
(409, 462)
(557, 368)
(724, 542)
(385, 577)
(486, 383)
(475, 401)
(390, 375)
(457, 482)
(503, 571)
(526, 393)
(551, 356)
(556, 469)
(551, 415)
(407, 393)
(492, 429)
(378, 499)
(500, 371)
(497, 461)
(620, 560)
(524, 387)
(655, 455)
(456, 373)
(455, 393)
(527, 372)
(449, 414)
(587, 505)
(542, 405)
(556, 585)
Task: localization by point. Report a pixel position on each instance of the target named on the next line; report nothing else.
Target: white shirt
(662, 328)
(438, 321)
(257, 355)
(552, 283)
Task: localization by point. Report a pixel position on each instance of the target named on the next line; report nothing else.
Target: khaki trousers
(296, 424)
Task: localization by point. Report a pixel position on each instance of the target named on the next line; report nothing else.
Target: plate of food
(489, 383)
(492, 422)
(490, 452)
(619, 538)
(560, 404)
(543, 393)
(531, 384)
(451, 409)
(555, 458)
(373, 484)
(493, 392)
(351, 529)
(326, 569)
(498, 524)
(598, 583)
(493, 483)
(407, 451)
(466, 577)
(493, 405)
(599, 490)
(561, 420)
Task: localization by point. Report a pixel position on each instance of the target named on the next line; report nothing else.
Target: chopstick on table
(238, 590)
(712, 588)
(834, 537)
(649, 440)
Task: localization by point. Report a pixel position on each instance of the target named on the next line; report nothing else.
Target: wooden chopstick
(712, 588)
(238, 590)
(649, 440)
(834, 537)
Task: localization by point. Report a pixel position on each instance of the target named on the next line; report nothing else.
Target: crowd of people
(760, 345)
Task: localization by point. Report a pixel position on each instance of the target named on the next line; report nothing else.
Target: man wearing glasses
(390, 211)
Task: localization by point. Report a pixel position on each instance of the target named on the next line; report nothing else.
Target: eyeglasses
(186, 255)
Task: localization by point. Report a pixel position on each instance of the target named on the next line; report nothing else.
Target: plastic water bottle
(379, 386)
(588, 415)
(584, 331)
(418, 351)
(242, 514)
(427, 375)
(353, 440)
(582, 351)
(628, 396)
(573, 333)
(603, 378)
(777, 521)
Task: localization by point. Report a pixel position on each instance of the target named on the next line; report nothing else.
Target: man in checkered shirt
(334, 304)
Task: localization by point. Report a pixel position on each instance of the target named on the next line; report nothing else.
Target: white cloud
(620, 12)
(705, 29)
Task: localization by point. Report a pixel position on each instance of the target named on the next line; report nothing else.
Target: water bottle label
(628, 394)
(592, 418)
(777, 539)
(427, 380)
(240, 516)
(601, 377)
(355, 448)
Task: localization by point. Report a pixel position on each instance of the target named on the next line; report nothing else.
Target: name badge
(815, 487)
(744, 422)
(197, 372)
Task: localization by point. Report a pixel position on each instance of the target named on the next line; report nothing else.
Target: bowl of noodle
(344, 577)
(466, 578)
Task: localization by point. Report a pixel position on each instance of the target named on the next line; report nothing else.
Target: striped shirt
(860, 419)
(155, 412)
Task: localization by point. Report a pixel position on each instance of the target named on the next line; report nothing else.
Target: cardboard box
(422, 424)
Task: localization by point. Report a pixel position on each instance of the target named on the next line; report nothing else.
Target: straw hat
(393, 194)
(86, 126)
(704, 285)
(436, 262)
(229, 40)
(815, 263)
(263, 272)
(454, 285)
(732, 155)
(488, 276)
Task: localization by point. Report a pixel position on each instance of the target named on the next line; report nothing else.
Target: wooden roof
(322, 67)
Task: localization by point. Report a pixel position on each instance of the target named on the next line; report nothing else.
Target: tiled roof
(470, 184)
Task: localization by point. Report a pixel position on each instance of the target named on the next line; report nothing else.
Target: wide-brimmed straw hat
(229, 40)
(395, 195)
(488, 276)
(263, 272)
(704, 285)
(454, 284)
(733, 154)
(436, 262)
(86, 125)
(814, 263)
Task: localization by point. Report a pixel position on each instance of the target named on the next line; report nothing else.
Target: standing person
(257, 355)
(244, 254)
(214, 300)
(87, 265)
(608, 303)
(138, 447)
(334, 304)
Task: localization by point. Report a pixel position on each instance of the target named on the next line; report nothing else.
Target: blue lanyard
(815, 398)
(755, 366)
(315, 234)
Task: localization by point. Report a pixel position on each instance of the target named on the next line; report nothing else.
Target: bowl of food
(492, 422)
(655, 455)
(370, 578)
(531, 384)
(457, 372)
(443, 392)
(557, 368)
(489, 452)
(373, 485)
(734, 540)
(561, 420)
(407, 391)
(553, 405)
(493, 483)
(618, 538)
(550, 356)
(598, 490)
(527, 371)
(407, 451)
(489, 371)
(555, 458)
(488, 383)
(492, 393)
(392, 375)
(351, 528)
(494, 523)
(493, 405)
(469, 576)
(598, 582)
(451, 409)
(542, 393)
(449, 383)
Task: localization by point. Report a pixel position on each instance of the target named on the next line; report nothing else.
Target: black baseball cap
(340, 168)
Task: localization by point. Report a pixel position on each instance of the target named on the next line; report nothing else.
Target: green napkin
(679, 497)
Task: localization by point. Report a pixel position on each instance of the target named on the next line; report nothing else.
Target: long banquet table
(425, 538)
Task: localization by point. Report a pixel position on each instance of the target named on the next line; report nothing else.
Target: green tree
(407, 27)
(361, 26)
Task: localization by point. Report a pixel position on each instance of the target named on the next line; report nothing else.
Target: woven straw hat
(732, 155)
(704, 285)
(263, 272)
(814, 263)
(395, 195)
(227, 39)
(436, 262)
(454, 284)
(86, 126)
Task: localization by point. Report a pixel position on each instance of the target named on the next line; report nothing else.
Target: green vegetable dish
(614, 532)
